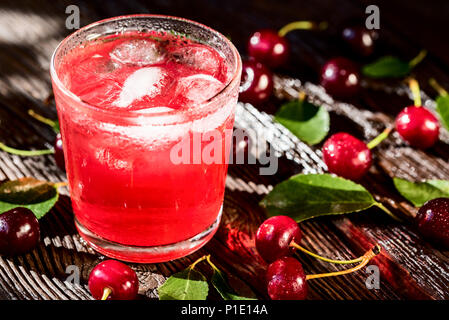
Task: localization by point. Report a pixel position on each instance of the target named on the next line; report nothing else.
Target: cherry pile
(276, 241)
(267, 49)
(351, 158)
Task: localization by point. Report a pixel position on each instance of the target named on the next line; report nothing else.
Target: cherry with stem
(279, 236)
(349, 157)
(113, 280)
(286, 279)
(415, 124)
(271, 47)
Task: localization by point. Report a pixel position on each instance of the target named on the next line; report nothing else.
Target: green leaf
(55, 127)
(305, 120)
(188, 284)
(306, 196)
(221, 285)
(443, 109)
(419, 193)
(36, 195)
(387, 67)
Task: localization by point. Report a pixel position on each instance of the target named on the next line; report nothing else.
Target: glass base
(148, 254)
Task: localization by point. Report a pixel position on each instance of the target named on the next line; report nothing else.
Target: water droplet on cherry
(256, 86)
(346, 156)
(19, 231)
(268, 47)
(418, 126)
(115, 276)
(274, 236)
(340, 77)
(286, 280)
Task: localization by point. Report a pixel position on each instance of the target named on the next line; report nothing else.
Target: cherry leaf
(392, 67)
(387, 67)
(305, 120)
(443, 109)
(419, 193)
(306, 196)
(220, 283)
(188, 284)
(36, 195)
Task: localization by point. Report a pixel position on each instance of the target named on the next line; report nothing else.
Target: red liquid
(124, 186)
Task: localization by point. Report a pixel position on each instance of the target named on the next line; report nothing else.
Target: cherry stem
(414, 88)
(391, 214)
(198, 261)
(421, 55)
(297, 246)
(301, 25)
(381, 137)
(210, 262)
(364, 261)
(42, 119)
(438, 88)
(60, 184)
(106, 293)
(26, 153)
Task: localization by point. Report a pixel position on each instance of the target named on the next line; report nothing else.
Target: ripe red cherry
(19, 231)
(286, 280)
(116, 279)
(433, 220)
(59, 153)
(360, 39)
(418, 126)
(257, 83)
(346, 156)
(274, 236)
(340, 77)
(268, 47)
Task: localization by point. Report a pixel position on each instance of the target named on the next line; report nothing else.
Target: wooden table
(410, 267)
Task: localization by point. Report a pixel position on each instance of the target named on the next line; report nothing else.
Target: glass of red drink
(140, 100)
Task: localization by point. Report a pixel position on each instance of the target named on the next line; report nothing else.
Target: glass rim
(68, 93)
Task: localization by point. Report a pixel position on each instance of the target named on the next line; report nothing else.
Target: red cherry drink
(146, 118)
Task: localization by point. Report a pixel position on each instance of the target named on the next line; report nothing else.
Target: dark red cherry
(257, 83)
(59, 153)
(19, 231)
(433, 220)
(346, 156)
(274, 236)
(286, 280)
(340, 77)
(418, 126)
(268, 47)
(360, 39)
(119, 280)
